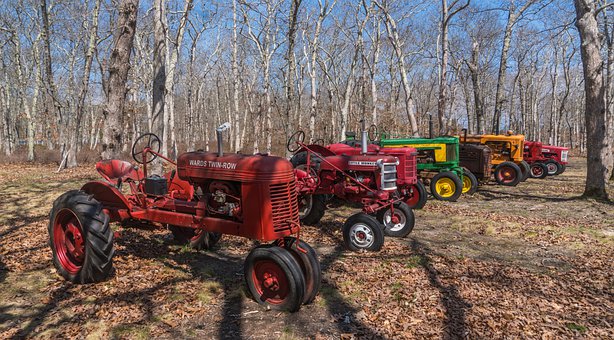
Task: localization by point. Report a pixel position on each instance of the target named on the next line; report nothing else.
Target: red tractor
(409, 187)
(207, 194)
(369, 180)
(552, 159)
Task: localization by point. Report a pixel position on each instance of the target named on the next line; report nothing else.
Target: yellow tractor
(507, 150)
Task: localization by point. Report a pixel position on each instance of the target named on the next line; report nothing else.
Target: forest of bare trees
(77, 76)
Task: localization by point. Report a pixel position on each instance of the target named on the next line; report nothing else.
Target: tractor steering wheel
(294, 140)
(147, 140)
(373, 133)
(319, 141)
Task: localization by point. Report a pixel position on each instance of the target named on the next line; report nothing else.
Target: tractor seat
(113, 169)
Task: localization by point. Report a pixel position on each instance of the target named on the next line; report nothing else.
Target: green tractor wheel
(470, 183)
(446, 186)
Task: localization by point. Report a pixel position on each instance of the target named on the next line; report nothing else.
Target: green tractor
(438, 165)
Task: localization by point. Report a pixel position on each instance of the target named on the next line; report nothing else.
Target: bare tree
(395, 41)
(447, 13)
(119, 64)
(512, 18)
(595, 110)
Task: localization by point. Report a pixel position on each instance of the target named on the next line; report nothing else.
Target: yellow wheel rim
(445, 187)
(466, 184)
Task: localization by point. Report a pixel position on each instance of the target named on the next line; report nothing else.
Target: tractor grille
(451, 153)
(487, 164)
(389, 176)
(284, 206)
(410, 166)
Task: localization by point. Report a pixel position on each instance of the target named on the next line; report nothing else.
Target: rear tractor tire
(418, 196)
(553, 167)
(508, 174)
(446, 186)
(470, 183)
(80, 238)
(539, 170)
(312, 208)
(274, 278)
(198, 239)
(397, 224)
(363, 232)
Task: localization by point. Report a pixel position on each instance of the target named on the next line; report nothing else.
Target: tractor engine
(226, 183)
(374, 172)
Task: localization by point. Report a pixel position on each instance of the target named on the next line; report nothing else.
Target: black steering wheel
(373, 133)
(319, 141)
(294, 140)
(147, 140)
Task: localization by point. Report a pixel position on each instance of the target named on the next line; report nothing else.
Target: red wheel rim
(197, 233)
(414, 196)
(507, 175)
(68, 241)
(538, 171)
(270, 282)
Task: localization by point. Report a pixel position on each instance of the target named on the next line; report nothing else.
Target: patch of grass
(208, 291)
(415, 261)
(575, 327)
(130, 332)
(288, 333)
(236, 293)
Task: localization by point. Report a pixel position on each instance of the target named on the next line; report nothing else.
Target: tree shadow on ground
(455, 306)
(226, 271)
(490, 195)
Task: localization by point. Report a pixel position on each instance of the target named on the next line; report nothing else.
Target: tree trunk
(85, 81)
(595, 110)
(290, 86)
(119, 65)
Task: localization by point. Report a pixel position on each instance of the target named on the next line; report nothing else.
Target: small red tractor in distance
(207, 194)
(365, 179)
(545, 159)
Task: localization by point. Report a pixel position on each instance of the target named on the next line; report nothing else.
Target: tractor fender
(323, 151)
(107, 194)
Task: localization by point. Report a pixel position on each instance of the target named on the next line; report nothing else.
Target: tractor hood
(198, 166)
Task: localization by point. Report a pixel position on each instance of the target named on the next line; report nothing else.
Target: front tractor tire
(553, 167)
(363, 232)
(508, 174)
(198, 239)
(470, 183)
(525, 169)
(310, 266)
(274, 278)
(446, 186)
(80, 238)
(539, 170)
(397, 224)
(312, 208)
(418, 196)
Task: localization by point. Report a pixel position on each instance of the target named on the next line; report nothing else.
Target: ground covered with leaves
(532, 261)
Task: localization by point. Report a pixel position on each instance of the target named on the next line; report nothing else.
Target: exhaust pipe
(219, 130)
(465, 136)
(363, 138)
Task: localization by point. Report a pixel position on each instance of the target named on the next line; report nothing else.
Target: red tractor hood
(198, 166)
(552, 148)
(356, 163)
(341, 148)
